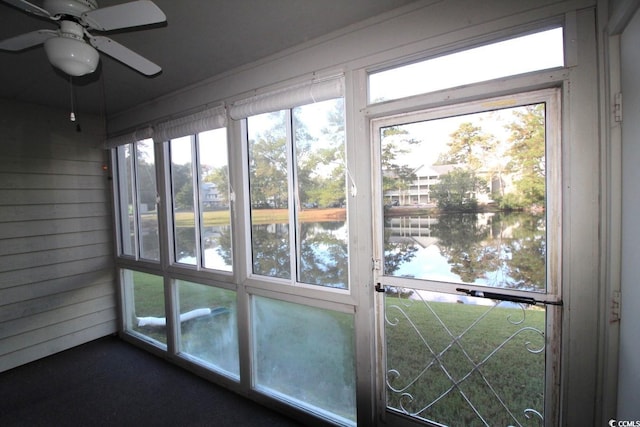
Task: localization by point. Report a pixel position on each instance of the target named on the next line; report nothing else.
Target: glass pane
(147, 206)
(305, 356)
(126, 189)
(215, 212)
(320, 167)
(520, 55)
(183, 200)
(459, 360)
(268, 192)
(465, 199)
(144, 298)
(208, 327)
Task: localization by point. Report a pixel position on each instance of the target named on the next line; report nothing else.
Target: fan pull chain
(72, 116)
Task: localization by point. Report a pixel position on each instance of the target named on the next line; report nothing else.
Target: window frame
(173, 264)
(292, 284)
(133, 184)
(482, 42)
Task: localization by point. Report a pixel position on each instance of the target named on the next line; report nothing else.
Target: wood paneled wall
(57, 283)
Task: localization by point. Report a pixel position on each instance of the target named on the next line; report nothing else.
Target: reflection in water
(492, 249)
(216, 247)
(270, 245)
(324, 254)
(185, 238)
(323, 258)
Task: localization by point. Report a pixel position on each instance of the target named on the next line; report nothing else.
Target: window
(297, 186)
(208, 326)
(519, 55)
(306, 356)
(202, 218)
(144, 305)
(183, 198)
(482, 219)
(137, 200)
(215, 204)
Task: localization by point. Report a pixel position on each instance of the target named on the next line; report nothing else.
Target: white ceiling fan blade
(29, 7)
(132, 14)
(27, 40)
(125, 55)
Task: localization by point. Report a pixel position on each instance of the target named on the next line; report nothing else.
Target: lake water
(505, 250)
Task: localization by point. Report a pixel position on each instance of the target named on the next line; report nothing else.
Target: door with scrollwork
(468, 262)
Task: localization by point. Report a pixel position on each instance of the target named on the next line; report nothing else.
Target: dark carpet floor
(109, 382)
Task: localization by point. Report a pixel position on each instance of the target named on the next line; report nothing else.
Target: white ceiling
(201, 39)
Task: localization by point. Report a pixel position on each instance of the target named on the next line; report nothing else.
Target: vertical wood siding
(57, 285)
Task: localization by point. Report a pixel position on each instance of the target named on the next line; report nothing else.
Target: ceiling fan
(72, 48)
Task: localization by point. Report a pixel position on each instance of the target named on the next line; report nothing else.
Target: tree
(320, 160)
(469, 146)
(182, 183)
(456, 191)
(395, 142)
(268, 166)
(147, 191)
(527, 153)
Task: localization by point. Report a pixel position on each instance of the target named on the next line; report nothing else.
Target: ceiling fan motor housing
(69, 52)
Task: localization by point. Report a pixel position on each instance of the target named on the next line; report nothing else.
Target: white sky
(435, 134)
(537, 51)
(213, 148)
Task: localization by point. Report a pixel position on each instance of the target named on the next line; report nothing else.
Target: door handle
(505, 297)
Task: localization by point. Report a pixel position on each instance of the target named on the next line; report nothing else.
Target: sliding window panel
(269, 194)
(147, 200)
(321, 217)
(215, 204)
(183, 197)
(306, 357)
(145, 307)
(126, 191)
(208, 327)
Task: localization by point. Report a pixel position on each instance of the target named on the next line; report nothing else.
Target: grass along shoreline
(258, 216)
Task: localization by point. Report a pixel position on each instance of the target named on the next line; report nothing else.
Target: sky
(520, 55)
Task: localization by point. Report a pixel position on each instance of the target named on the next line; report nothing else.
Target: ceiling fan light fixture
(72, 56)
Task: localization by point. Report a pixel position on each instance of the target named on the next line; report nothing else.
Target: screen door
(468, 221)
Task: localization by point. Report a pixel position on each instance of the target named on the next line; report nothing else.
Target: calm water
(506, 250)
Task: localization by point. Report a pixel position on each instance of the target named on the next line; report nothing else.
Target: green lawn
(425, 359)
(258, 216)
(434, 354)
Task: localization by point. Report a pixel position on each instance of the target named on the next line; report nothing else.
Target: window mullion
(293, 199)
(195, 172)
(123, 205)
(134, 200)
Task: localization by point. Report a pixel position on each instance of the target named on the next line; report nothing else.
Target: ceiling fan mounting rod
(69, 7)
